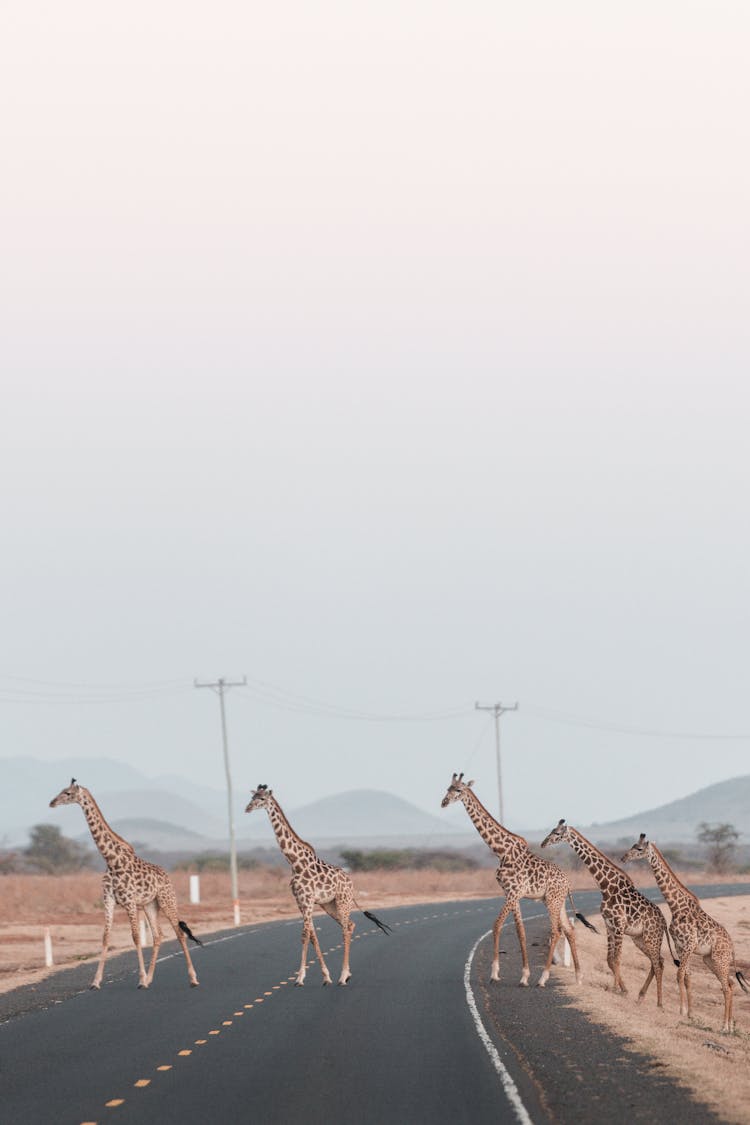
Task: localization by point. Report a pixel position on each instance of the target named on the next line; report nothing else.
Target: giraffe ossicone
(520, 874)
(314, 883)
(130, 882)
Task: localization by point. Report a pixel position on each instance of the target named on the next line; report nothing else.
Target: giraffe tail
(669, 943)
(741, 980)
(381, 925)
(186, 930)
(579, 916)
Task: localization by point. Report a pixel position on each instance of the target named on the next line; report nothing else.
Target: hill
(172, 814)
(677, 822)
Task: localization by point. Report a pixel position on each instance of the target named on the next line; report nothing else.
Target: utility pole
(220, 686)
(497, 710)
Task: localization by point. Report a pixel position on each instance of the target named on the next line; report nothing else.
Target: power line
(565, 719)
(26, 696)
(220, 686)
(274, 696)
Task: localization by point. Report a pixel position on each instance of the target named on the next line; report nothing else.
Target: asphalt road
(408, 1041)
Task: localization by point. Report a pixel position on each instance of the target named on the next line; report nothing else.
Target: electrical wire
(564, 719)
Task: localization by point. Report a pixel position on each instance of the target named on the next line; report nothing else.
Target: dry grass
(715, 1066)
(71, 906)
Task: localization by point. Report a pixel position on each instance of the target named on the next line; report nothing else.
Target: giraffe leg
(303, 963)
(309, 935)
(569, 932)
(553, 909)
(167, 900)
(132, 910)
(689, 994)
(151, 910)
(499, 923)
(109, 913)
(563, 926)
(614, 953)
(347, 928)
(686, 999)
(319, 953)
(653, 952)
(526, 971)
(721, 971)
(339, 911)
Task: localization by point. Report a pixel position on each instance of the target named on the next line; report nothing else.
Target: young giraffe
(692, 930)
(624, 909)
(521, 874)
(314, 883)
(131, 882)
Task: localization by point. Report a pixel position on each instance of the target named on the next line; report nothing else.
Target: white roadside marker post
(48, 960)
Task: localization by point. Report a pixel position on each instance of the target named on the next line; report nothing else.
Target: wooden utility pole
(497, 710)
(220, 686)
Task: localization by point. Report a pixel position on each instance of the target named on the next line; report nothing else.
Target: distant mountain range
(171, 814)
(175, 815)
(675, 823)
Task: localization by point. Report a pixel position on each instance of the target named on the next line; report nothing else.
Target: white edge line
(509, 1086)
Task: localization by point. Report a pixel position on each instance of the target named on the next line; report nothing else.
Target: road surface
(418, 1036)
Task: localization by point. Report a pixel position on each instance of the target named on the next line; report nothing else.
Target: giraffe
(624, 909)
(131, 882)
(314, 883)
(521, 874)
(692, 929)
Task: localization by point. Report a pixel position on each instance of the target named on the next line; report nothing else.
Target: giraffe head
(639, 850)
(558, 835)
(261, 798)
(69, 796)
(456, 790)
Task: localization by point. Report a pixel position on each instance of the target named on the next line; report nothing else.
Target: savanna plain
(716, 1067)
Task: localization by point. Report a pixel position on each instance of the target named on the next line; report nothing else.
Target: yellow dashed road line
(143, 1082)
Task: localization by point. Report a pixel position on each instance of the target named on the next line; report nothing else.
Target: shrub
(55, 854)
(720, 841)
(399, 859)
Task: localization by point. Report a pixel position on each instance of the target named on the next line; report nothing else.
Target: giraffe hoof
(95, 987)
(195, 984)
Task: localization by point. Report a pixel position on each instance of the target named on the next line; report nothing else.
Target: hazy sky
(391, 354)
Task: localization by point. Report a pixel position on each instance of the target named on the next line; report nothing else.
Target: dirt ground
(716, 1066)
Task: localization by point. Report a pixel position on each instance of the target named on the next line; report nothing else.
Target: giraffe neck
(502, 842)
(675, 894)
(607, 874)
(296, 850)
(105, 838)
